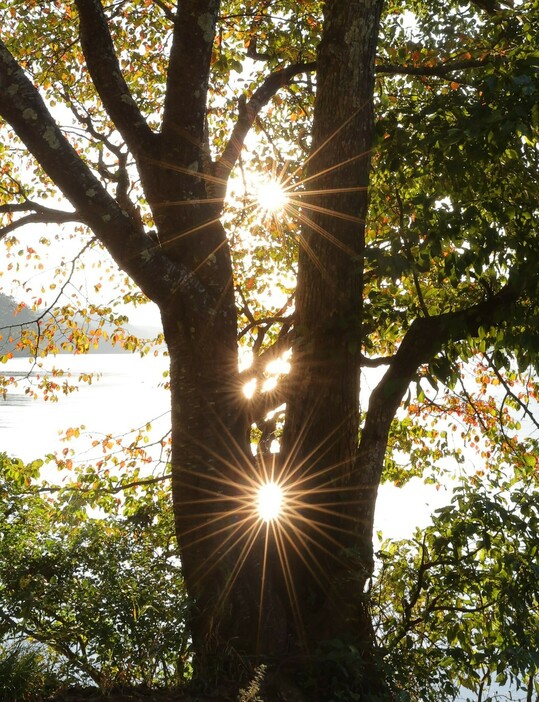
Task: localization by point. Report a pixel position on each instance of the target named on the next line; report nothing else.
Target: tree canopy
(404, 137)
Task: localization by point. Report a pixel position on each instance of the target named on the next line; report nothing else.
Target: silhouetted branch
(368, 362)
(39, 214)
(249, 109)
(167, 11)
(104, 491)
(422, 342)
(156, 274)
(106, 74)
(441, 70)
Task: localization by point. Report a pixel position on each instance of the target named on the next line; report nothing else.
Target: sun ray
(331, 137)
(219, 480)
(306, 562)
(323, 232)
(307, 546)
(332, 213)
(211, 254)
(334, 167)
(217, 556)
(289, 582)
(237, 466)
(199, 201)
(239, 563)
(304, 479)
(201, 175)
(262, 586)
(289, 472)
(322, 528)
(233, 529)
(329, 191)
(316, 507)
(314, 258)
(192, 230)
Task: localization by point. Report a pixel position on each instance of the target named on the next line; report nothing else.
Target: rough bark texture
(322, 420)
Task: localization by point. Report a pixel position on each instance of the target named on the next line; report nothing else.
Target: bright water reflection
(126, 392)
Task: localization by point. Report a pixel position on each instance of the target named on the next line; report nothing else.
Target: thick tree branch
(376, 362)
(424, 340)
(248, 111)
(492, 7)
(38, 214)
(184, 116)
(265, 322)
(441, 70)
(104, 68)
(159, 278)
(52, 217)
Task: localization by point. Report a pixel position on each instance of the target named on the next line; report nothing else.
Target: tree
(418, 261)
(457, 604)
(84, 587)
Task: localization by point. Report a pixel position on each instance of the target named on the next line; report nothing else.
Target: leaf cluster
(457, 603)
(101, 588)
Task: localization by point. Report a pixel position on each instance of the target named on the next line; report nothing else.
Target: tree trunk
(322, 422)
(288, 594)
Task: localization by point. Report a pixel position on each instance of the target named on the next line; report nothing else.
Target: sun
(269, 501)
(271, 196)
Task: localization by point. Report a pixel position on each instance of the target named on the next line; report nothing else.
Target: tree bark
(319, 445)
(290, 595)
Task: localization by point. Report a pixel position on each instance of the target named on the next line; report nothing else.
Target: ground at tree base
(132, 694)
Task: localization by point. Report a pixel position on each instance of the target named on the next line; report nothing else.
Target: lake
(126, 393)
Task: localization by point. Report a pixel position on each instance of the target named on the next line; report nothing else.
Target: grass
(25, 674)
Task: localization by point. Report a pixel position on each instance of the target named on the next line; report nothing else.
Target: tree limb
(88, 124)
(107, 77)
(248, 111)
(159, 278)
(184, 114)
(280, 345)
(422, 342)
(167, 11)
(36, 219)
(368, 362)
(120, 487)
(509, 392)
(440, 70)
(39, 215)
(263, 322)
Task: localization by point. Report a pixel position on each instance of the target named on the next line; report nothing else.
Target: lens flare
(271, 196)
(270, 501)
